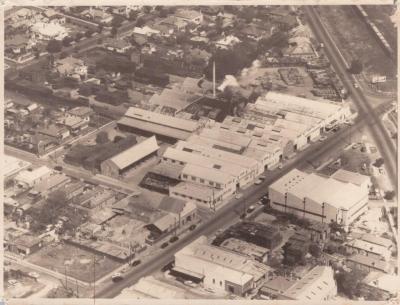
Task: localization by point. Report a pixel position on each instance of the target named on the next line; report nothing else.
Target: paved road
(378, 131)
(232, 210)
(76, 172)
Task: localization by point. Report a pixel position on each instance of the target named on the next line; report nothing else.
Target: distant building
(12, 166)
(363, 181)
(227, 42)
(117, 45)
(318, 198)
(218, 269)
(386, 286)
(249, 249)
(183, 211)
(54, 132)
(265, 236)
(49, 31)
(122, 162)
(190, 16)
(317, 285)
(72, 67)
(50, 184)
(367, 263)
(24, 244)
(320, 232)
(368, 249)
(151, 288)
(164, 127)
(296, 248)
(275, 287)
(28, 179)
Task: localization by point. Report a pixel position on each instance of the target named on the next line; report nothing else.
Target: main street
(377, 129)
(230, 211)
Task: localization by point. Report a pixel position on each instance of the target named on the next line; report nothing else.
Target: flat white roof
(290, 103)
(13, 165)
(196, 191)
(234, 265)
(218, 154)
(207, 162)
(30, 176)
(135, 153)
(208, 174)
(351, 177)
(213, 143)
(226, 136)
(302, 185)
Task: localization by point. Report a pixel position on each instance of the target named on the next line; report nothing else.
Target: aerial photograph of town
(232, 152)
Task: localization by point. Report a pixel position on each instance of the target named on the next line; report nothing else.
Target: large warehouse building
(319, 198)
(219, 269)
(165, 127)
(129, 158)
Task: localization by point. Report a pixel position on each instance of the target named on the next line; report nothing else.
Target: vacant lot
(355, 41)
(382, 16)
(74, 261)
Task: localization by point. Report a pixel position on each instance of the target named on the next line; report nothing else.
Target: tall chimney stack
(214, 78)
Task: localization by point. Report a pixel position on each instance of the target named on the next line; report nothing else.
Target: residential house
(183, 211)
(117, 45)
(176, 23)
(227, 42)
(55, 132)
(24, 244)
(72, 67)
(189, 16)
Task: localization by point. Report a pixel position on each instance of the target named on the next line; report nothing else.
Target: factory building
(219, 269)
(318, 198)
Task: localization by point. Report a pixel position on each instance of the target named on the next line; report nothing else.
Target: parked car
(34, 275)
(192, 227)
(258, 181)
(323, 138)
(238, 195)
(58, 168)
(117, 277)
(251, 209)
(136, 262)
(164, 245)
(173, 239)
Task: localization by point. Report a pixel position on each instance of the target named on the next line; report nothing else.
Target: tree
(379, 162)
(114, 31)
(53, 46)
(349, 283)
(100, 28)
(67, 41)
(356, 66)
(89, 33)
(58, 198)
(389, 195)
(140, 22)
(117, 21)
(78, 36)
(315, 250)
(132, 15)
(102, 137)
(63, 55)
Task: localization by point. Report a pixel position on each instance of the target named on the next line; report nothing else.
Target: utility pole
(94, 280)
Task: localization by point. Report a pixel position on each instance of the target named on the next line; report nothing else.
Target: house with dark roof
(117, 45)
(183, 211)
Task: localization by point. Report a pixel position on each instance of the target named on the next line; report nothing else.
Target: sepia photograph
(208, 152)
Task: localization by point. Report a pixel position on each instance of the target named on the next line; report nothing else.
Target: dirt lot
(122, 229)
(77, 262)
(356, 41)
